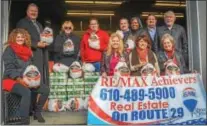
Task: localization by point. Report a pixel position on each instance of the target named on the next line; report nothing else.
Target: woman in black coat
(17, 56)
(66, 45)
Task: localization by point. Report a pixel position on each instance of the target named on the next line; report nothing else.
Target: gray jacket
(40, 56)
(162, 58)
(179, 34)
(14, 66)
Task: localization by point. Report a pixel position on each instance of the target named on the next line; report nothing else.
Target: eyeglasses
(67, 28)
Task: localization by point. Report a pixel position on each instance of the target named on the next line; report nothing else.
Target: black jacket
(58, 48)
(40, 56)
(14, 67)
(156, 42)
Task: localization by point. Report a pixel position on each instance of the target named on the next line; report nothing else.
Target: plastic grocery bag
(47, 35)
(55, 105)
(171, 68)
(88, 67)
(94, 41)
(68, 47)
(148, 70)
(59, 67)
(75, 70)
(31, 76)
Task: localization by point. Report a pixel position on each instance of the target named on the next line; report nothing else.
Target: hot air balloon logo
(189, 99)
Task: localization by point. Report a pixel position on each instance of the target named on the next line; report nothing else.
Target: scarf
(170, 53)
(22, 51)
(143, 54)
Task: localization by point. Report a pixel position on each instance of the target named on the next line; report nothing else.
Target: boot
(38, 116)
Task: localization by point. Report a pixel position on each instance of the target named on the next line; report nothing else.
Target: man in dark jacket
(178, 33)
(40, 58)
(124, 27)
(152, 32)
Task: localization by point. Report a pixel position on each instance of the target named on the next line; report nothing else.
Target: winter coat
(134, 62)
(40, 56)
(162, 58)
(60, 57)
(14, 67)
(89, 54)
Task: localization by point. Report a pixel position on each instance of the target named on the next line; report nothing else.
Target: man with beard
(178, 33)
(152, 32)
(40, 59)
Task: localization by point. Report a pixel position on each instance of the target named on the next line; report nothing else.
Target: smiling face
(32, 12)
(124, 25)
(142, 44)
(134, 24)
(20, 39)
(115, 43)
(169, 20)
(167, 44)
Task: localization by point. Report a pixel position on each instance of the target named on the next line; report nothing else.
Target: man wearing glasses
(93, 43)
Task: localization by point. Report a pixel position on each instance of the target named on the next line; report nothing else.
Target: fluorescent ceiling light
(90, 13)
(170, 3)
(94, 2)
(161, 15)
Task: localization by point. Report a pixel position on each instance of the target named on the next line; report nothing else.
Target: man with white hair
(178, 33)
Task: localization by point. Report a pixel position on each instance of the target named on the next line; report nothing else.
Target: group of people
(136, 46)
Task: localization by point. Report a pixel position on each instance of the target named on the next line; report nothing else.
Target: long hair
(121, 46)
(15, 32)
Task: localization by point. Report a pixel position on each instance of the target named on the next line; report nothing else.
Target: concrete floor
(75, 118)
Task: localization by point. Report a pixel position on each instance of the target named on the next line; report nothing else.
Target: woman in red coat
(17, 56)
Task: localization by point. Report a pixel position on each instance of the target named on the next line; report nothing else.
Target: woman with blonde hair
(17, 56)
(66, 45)
(113, 54)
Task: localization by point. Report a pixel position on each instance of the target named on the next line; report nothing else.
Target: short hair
(146, 38)
(67, 23)
(165, 36)
(151, 15)
(169, 13)
(123, 18)
(32, 5)
(93, 18)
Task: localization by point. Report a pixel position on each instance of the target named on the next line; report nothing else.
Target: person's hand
(22, 82)
(104, 74)
(46, 44)
(41, 44)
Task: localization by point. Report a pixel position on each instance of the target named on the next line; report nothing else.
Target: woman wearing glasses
(170, 57)
(66, 45)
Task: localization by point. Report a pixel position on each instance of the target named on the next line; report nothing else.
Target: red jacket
(92, 55)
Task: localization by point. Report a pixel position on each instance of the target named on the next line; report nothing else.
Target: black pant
(43, 90)
(25, 94)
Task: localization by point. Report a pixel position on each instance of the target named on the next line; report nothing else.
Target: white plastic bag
(86, 103)
(121, 69)
(68, 47)
(55, 105)
(31, 76)
(130, 44)
(75, 70)
(59, 67)
(120, 33)
(47, 35)
(75, 104)
(88, 67)
(94, 41)
(171, 68)
(148, 70)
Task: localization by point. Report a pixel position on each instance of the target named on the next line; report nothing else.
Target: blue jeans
(97, 66)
